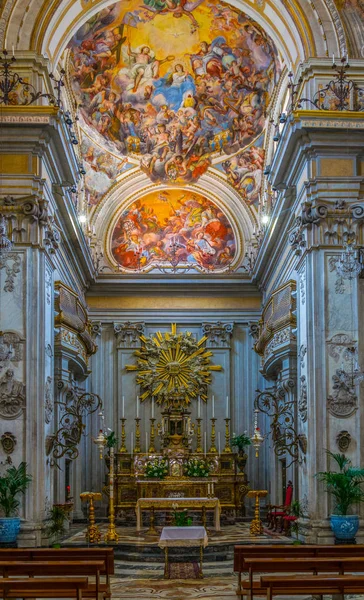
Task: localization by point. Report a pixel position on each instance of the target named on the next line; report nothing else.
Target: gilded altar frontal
(181, 291)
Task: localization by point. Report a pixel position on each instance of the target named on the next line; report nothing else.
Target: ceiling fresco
(173, 228)
(171, 87)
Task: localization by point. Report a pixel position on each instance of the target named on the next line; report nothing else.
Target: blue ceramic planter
(9, 529)
(345, 527)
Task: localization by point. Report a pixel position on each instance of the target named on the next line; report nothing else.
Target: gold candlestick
(256, 526)
(199, 448)
(111, 535)
(152, 436)
(93, 535)
(123, 436)
(227, 436)
(213, 436)
(137, 436)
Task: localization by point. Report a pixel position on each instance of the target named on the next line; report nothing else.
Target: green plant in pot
(13, 482)
(241, 442)
(55, 525)
(345, 486)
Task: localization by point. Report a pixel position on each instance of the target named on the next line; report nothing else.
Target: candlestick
(219, 440)
(111, 535)
(137, 435)
(213, 435)
(205, 442)
(153, 407)
(146, 441)
(137, 408)
(227, 407)
(123, 408)
(123, 436)
(152, 436)
(131, 443)
(199, 447)
(227, 436)
(213, 406)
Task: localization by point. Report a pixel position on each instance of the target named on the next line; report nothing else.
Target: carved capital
(218, 333)
(254, 330)
(128, 333)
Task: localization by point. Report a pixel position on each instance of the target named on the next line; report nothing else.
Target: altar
(168, 504)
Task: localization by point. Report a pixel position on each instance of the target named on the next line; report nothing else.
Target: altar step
(153, 554)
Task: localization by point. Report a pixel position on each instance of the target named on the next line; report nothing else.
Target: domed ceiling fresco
(170, 229)
(172, 89)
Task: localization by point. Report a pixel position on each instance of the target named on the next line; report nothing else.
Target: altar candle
(290, 67)
(199, 408)
(227, 407)
(213, 407)
(13, 49)
(123, 408)
(205, 443)
(152, 407)
(219, 438)
(146, 441)
(333, 59)
(137, 409)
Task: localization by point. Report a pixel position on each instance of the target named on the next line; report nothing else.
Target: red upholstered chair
(277, 512)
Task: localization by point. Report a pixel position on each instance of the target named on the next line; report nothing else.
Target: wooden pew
(43, 588)
(66, 554)
(55, 568)
(297, 586)
(287, 550)
(314, 566)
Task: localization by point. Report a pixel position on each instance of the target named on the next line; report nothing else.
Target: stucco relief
(343, 401)
(12, 396)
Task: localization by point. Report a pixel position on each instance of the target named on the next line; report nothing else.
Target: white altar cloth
(183, 536)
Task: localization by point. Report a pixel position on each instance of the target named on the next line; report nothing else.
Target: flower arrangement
(180, 518)
(158, 467)
(197, 467)
(241, 441)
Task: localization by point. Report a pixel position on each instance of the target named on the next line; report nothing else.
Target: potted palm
(14, 482)
(345, 487)
(241, 442)
(56, 523)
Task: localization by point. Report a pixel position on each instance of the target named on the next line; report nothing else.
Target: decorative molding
(11, 263)
(302, 402)
(96, 328)
(343, 440)
(302, 353)
(70, 339)
(8, 442)
(49, 350)
(254, 330)
(302, 278)
(337, 345)
(12, 396)
(302, 442)
(11, 339)
(48, 400)
(339, 283)
(296, 239)
(128, 333)
(218, 333)
(48, 285)
(29, 119)
(343, 401)
(72, 319)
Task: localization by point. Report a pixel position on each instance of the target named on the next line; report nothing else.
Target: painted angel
(177, 7)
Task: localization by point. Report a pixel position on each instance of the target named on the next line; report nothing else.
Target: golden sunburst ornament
(173, 367)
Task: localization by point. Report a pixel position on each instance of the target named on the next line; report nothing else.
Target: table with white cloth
(172, 504)
(172, 537)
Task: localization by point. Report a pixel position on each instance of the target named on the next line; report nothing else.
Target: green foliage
(197, 467)
(344, 485)
(55, 525)
(296, 511)
(241, 441)
(180, 518)
(14, 481)
(156, 468)
(111, 440)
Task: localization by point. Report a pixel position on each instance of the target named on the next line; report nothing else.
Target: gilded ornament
(173, 368)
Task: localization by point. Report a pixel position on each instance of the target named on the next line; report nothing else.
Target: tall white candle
(290, 67)
(132, 443)
(123, 409)
(199, 408)
(205, 442)
(213, 407)
(137, 410)
(13, 49)
(219, 438)
(333, 59)
(153, 407)
(227, 407)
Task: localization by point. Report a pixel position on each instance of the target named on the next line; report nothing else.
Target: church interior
(181, 284)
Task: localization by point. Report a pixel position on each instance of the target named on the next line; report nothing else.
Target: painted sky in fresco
(171, 84)
(173, 227)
